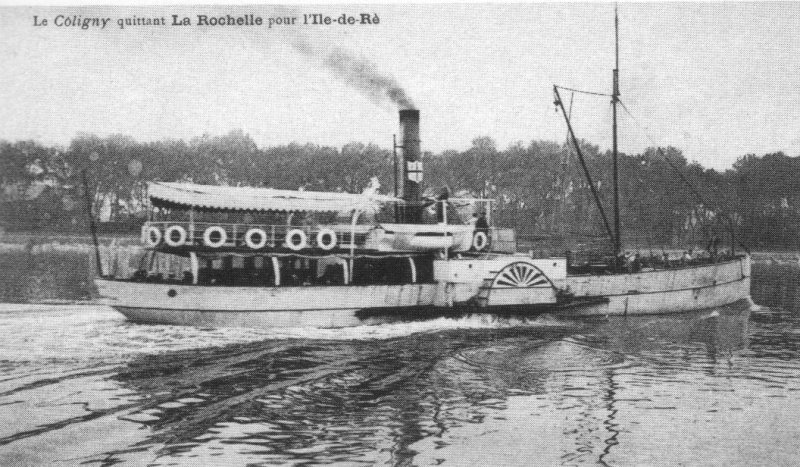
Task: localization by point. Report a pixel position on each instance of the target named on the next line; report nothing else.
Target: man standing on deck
(482, 226)
(473, 221)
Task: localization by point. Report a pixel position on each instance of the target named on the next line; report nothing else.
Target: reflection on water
(713, 388)
(777, 285)
(53, 275)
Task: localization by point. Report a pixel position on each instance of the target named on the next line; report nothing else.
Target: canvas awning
(261, 199)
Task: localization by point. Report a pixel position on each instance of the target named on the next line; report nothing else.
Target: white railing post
(195, 266)
(191, 226)
(356, 213)
(444, 222)
(276, 268)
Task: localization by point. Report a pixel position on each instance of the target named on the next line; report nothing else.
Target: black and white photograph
(465, 234)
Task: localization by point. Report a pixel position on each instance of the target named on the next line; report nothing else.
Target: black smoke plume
(358, 73)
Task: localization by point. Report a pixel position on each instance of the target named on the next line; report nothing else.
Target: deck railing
(275, 234)
(196, 235)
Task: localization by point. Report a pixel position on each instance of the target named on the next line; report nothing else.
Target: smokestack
(412, 165)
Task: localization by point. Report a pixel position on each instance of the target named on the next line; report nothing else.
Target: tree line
(539, 187)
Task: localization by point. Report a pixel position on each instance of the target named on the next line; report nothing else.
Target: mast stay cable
(690, 185)
(595, 194)
(591, 93)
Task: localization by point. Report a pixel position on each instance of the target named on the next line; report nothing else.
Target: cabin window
(330, 271)
(394, 271)
(237, 270)
(305, 272)
(163, 267)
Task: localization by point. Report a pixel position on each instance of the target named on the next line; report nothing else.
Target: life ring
(301, 242)
(260, 234)
(169, 234)
(479, 241)
(326, 233)
(152, 236)
(223, 236)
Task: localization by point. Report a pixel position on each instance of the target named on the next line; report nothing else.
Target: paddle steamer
(277, 258)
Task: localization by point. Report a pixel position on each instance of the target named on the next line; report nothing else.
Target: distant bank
(36, 242)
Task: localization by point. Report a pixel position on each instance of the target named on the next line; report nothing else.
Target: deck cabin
(216, 235)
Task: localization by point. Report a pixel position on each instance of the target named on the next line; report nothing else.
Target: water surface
(80, 385)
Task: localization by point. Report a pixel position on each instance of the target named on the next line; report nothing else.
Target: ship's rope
(591, 93)
(700, 198)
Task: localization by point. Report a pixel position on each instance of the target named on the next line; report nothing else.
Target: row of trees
(540, 189)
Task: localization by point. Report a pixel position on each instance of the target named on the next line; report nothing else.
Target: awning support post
(276, 270)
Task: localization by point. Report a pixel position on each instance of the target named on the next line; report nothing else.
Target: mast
(595, 194)
(397, 208)
(92, 228)
(614, 101)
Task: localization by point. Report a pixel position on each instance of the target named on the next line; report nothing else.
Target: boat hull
(644, 293)
(324, 318)
(663, 291)
(315, 306)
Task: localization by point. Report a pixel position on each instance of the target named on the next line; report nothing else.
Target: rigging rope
(591, 93)
(671, 164)
(558, 102)
(689, 184)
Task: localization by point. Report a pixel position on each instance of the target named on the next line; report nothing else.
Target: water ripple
(710, 388)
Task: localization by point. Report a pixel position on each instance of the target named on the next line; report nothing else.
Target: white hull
(317, 306)
(643, 293)
(662, 291)
(325, 318)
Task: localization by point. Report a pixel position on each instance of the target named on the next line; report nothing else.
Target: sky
(716, 80)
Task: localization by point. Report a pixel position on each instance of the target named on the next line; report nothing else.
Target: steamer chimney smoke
(358, 73)
(412, 165)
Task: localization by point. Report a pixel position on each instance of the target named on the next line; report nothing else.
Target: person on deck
(636, 264)
(482, 226)
(441, 205)
(687, 257)
(473, 221)
(665, 258)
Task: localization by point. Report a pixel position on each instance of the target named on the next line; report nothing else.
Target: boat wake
(92, 332)
(390, 330)
(548, 356)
